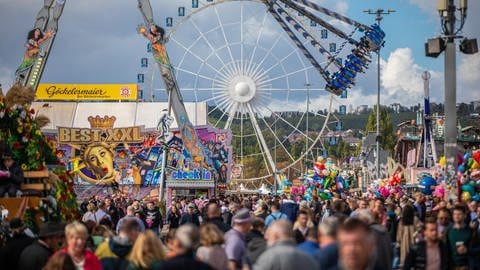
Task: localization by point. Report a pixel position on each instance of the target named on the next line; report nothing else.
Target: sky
(97, 43)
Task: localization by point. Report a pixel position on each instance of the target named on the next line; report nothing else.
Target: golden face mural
(96, 164)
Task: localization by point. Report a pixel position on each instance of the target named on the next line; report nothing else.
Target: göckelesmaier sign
(54, 91)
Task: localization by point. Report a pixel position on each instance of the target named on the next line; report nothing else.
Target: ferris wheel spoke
(199, 75)
(230, 104)
(259, 65)
(277, 63)
(257, 41)
(261, 141)
(196, 56)
(216, 97)
(231, 115)
(224, 34)
(278, 140)
(288, 123)
(288, 74)
(202, 35)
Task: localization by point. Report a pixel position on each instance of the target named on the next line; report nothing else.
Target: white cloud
(429, 7)
(341, 7)
(468, 78)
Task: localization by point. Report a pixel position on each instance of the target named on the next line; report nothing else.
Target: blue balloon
(466, 157)
(461, 168)
(426, 185)
(468, 188)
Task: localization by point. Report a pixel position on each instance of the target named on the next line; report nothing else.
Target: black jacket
(222, 226)
(417, 256)
(256, 245)
(16, 175)
(34, 257)
(10, 253)
(184, 261)
(155, 217)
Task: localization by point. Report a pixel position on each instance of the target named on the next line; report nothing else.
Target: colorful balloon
(442, 161)
(466, 196)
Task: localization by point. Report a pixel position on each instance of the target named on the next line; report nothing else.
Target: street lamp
(378, 17)
(433, 48)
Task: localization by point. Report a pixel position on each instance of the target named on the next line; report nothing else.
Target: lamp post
(433, 48)
(378, 17)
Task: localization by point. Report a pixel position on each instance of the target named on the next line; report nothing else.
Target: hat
(7, 154)
(242, 216)
(51, 229)
(16, 224)
(191, 205)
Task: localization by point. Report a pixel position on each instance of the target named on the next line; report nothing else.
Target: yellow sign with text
(46, 91)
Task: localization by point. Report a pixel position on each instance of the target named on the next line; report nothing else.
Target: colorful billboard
(56, 91)
(131, 156)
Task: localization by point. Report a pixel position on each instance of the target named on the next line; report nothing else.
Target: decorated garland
(20, 131)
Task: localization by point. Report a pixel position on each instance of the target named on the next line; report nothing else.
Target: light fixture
(434, 47)
(469, 46)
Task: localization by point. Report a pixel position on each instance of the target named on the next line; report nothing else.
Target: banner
(46, 91)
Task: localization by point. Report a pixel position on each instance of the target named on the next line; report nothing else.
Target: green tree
(387, 137)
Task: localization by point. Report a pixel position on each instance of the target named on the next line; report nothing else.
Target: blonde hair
(210, 235)
(146, 250)
(76, 228)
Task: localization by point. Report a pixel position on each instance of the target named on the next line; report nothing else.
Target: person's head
(472, 206)
(213, 211)
(443, 217)
(366, 216)
(419, 198)
(130, 210)
(61, 261)
(242, 220)
(378, 206)
(191, 208)
(275, 207)
(35, 33)
(355, 243)
(458, 214)
(312, 235)
(76, 235)
(146, 250)
(150, 206)
(363, 204)
(16, 226)
(408, 214)
(173, 208)
(169, 238)
(327, 230)
(7, 157)
(91, 207)
(258, 224)
(129, 229)
(187, 239)
(431, 230)
(99, 158)
(278, 231)
(108, 202)
(53, 234)
(210, 235)
(157, 30)
(302, 218)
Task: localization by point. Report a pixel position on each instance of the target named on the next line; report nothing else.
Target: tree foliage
(387, 137)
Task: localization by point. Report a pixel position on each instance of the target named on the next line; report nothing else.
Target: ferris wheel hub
(242, 88)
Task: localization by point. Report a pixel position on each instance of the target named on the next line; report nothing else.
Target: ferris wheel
(263, 68)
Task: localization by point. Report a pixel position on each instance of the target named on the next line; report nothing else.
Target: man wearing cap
(50, 239)
(235, 245)
(191, 216)
(10, 253)
(11, 175)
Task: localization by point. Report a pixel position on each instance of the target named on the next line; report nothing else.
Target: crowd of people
(253, 232)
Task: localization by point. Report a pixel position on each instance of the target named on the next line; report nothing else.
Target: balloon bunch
(357, 61)
(387, 187)
(468, 174)
(325, 180)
